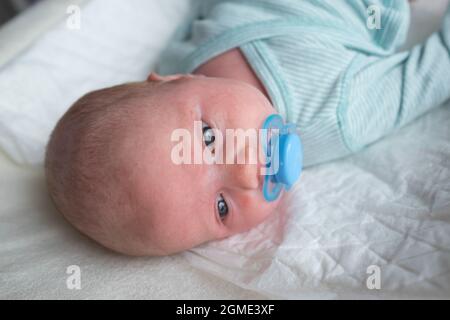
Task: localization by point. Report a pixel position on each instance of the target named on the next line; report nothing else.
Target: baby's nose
(246, 175)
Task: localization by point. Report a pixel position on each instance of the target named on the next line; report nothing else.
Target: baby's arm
(389, 92)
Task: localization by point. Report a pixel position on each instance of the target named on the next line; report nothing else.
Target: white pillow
(118, 41)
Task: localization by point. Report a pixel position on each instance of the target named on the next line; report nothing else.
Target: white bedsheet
(388, 206)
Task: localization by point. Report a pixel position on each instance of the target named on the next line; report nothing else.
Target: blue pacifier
(283, 152)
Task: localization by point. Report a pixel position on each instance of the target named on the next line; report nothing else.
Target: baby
(331, 68)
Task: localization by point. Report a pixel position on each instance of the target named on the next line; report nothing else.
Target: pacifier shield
(283, 152)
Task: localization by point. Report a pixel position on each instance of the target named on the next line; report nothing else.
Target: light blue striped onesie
(341, 82)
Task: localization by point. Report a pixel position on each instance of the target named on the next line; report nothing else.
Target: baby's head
(111, 172)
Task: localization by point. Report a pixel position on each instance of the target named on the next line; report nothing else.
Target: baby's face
(179, 206)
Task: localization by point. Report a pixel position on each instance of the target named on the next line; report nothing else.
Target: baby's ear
(154, 77)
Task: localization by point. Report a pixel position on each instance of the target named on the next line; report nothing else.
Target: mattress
(374, 225)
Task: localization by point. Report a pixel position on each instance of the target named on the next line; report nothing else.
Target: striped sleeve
(389, 92)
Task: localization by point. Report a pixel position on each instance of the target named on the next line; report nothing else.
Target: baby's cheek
(264, 210)
(273, 207)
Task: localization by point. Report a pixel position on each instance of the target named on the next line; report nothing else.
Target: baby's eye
(222, 207)
(208, 134)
